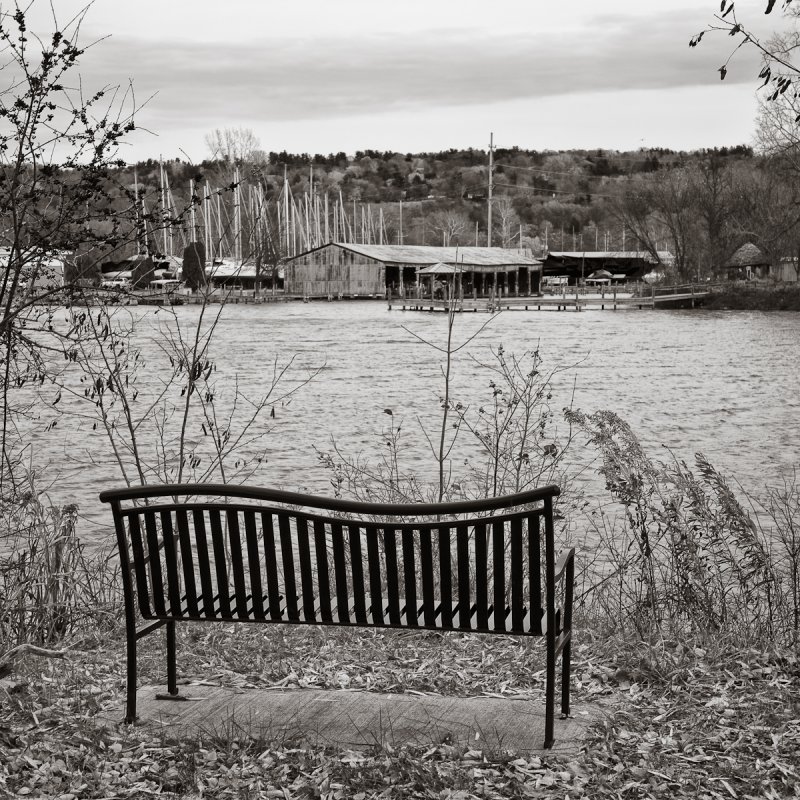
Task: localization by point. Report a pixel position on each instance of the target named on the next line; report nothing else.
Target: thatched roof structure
(748, 255)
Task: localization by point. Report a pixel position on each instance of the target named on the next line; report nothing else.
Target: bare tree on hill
(235, 146)
(451, 224)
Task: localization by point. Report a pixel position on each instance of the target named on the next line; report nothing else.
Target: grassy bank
(743, 297)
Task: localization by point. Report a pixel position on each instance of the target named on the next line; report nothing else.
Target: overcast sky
(329, 75)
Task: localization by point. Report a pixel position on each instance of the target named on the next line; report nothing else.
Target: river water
(726, 384)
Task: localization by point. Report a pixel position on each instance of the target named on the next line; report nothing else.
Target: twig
(6, 664)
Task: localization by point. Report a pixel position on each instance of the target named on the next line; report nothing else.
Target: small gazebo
(599, 276)
(438, 272)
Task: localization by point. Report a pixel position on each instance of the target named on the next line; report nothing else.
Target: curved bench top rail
(329, 503)
(395, 522)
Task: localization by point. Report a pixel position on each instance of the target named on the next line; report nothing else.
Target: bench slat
(357, 573)
(445, 577)
(339, 568)
(154, 561)
(409, 571)
(237, 562)
(517, 565)
(306, 574)
(535, 571)
(220, 560)
(481, 576)
(323, 578)
(271, 564)
(187, 558)
(392, 585)
(203, 560)
(140, 565)
(287, 559)
(498, 571)
(464, 600)
(374, 560)
(426, 565)
(169, 543)
(254, 563)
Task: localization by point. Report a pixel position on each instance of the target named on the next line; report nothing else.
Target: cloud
(310, 79)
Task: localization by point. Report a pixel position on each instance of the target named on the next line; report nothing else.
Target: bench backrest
(234, 553)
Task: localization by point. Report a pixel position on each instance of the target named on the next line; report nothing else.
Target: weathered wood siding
(332, 271)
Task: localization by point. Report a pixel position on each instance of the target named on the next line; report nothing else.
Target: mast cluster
(238, 222)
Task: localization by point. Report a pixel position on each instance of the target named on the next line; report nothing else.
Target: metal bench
(225, 553)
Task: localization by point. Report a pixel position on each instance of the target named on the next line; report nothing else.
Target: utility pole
(489, 201)
(286, 210)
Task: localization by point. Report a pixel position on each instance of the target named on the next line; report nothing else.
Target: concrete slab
(357, 719)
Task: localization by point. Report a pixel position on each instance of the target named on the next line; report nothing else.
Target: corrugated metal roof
(423, 255)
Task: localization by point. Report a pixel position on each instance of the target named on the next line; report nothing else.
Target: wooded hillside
(700, 205)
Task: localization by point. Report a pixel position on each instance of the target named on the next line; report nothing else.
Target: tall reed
(50, 587)
(684, 554)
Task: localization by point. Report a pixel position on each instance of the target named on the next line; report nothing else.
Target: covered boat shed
(364, 270)
(621, 266)
(236, 275)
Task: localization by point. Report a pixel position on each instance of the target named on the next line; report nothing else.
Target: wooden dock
(669, 297)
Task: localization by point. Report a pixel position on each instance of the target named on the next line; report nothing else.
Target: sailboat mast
(192, 215)
(207, 221)
(138, 214)
(164, 210)
(237, 219)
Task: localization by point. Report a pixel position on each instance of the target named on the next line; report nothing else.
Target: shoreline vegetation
(744, 297)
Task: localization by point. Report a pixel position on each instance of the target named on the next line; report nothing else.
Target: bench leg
(550, 691)
(172, 677)
(565, 669)
(130, 686)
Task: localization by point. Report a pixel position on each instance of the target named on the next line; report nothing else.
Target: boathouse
(577, 267)
(369, 270)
